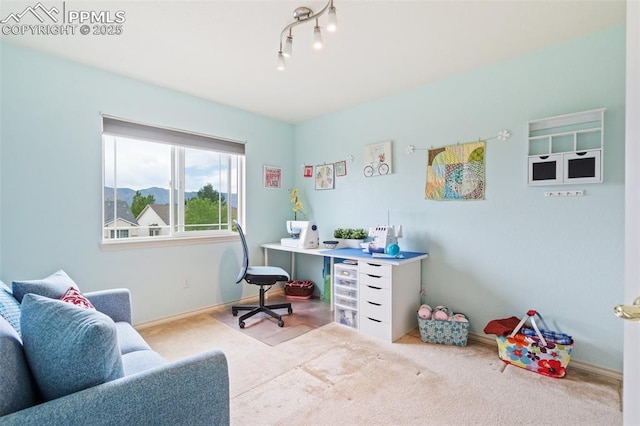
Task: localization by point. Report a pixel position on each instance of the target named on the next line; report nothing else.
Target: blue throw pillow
(68, 348)
(9, 307)
(53, 286)
(17, 389)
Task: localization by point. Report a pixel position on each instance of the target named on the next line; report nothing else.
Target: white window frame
(178, 140)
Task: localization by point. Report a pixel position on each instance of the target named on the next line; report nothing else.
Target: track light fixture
(300, 16)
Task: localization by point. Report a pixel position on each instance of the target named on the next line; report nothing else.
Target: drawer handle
(374, 264)
(374, 276)
(375, 304)
(373, 319)
(374, 288)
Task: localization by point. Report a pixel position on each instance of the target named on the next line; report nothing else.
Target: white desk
(352, 254)
(387, 289)
(293, 250)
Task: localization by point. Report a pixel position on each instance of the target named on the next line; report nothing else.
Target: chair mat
(307, 315)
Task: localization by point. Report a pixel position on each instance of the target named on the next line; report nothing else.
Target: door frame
(631, 368)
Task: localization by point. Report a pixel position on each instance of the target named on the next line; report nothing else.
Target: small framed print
(308, 171)
(341, 168)
(377, 159)
(272, 177)
(324, 176)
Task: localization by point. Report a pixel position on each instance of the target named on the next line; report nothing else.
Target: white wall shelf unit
(566, 149)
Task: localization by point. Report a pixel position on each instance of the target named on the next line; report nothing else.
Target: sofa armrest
(114, 303)
(193, 391)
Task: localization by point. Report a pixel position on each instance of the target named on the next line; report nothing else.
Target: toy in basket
(540, 350)
(442, 326)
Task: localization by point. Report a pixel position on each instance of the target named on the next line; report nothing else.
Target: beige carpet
(307, 315)
(334, 375)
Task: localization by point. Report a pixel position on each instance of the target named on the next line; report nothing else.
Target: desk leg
(331, 262)
(293, 261)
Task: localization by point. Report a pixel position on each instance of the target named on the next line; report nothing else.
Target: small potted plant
(350, 237)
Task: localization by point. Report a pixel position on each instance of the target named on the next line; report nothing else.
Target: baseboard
(205, 310)
(164, 320)
(589, 368)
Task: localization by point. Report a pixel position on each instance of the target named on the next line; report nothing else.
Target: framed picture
(324, 176)
(377, 159)
(341, 168)
(272, 177)
(308, 171)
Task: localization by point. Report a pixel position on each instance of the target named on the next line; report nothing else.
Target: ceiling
(226, 51)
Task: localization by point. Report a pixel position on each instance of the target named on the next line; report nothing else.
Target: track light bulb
(305, 15)
(281, 63)
(317, 37)
(288, 47)
(333, 20)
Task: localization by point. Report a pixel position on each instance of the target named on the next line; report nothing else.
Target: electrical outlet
(187, 283)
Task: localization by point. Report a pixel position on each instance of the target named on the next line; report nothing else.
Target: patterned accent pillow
(9, 307)
(74, 297)
(53, 286)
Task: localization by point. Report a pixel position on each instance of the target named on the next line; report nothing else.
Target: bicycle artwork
(377, 159)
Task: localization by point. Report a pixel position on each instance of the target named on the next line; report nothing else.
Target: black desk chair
(259, 275)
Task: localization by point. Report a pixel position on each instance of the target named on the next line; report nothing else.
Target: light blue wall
(50, 174)
(516, 250)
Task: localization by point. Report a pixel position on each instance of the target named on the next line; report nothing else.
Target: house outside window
(154, 230)
(122, 233)
(168, 184)
(118, 220)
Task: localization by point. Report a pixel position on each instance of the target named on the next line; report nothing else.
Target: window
(122, 233)
(165, 184)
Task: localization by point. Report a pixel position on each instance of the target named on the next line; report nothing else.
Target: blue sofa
(147, 390)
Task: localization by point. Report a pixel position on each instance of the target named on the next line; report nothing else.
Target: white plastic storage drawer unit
(345, 291)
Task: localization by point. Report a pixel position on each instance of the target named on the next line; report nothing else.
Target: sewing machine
(382, 236)
(304, 235)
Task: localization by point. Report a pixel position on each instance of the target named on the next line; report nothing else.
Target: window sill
(152, 242)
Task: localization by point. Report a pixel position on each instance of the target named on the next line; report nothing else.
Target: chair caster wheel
(280, 323)
(234, 312)
(242, 324)
(290, 311)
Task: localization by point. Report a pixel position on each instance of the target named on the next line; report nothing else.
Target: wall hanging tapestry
(456, 172)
